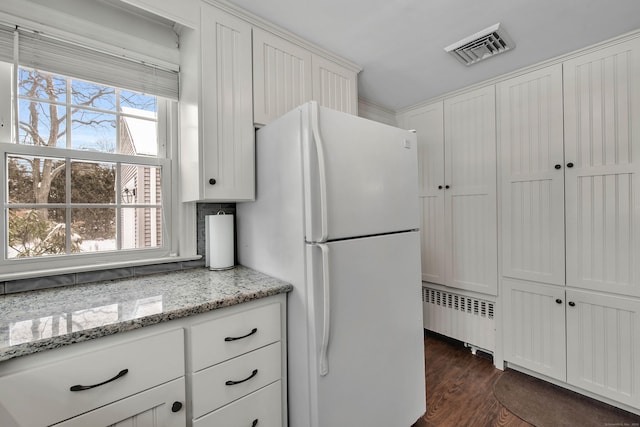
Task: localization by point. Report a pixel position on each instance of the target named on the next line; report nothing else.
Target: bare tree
(47, 121)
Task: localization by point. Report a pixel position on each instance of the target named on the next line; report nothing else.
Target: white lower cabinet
(237, 369)
(587, 339)
(64, 384)
(234, 359)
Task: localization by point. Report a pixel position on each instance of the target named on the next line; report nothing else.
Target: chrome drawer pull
(87, 387)
(253, 374)
(253, 331)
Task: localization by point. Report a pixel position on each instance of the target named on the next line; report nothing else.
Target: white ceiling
(400, 43)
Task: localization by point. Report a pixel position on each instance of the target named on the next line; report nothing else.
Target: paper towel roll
(220, 244)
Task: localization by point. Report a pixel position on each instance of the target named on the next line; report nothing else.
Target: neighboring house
(141, 185)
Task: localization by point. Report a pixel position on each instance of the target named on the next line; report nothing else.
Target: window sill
(50, 278)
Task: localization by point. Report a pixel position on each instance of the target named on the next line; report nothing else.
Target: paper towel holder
(220, 241)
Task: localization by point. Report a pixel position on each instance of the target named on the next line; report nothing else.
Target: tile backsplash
(202, 209)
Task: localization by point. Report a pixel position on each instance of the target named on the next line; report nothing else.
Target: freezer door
(373, 374)
(361, 177)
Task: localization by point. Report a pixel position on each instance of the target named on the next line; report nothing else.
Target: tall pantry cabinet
(569, 140)
(457, 158)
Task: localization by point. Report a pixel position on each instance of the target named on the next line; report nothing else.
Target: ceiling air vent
(482, 45)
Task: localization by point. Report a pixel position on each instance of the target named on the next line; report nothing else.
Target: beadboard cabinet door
(602, 155)
(428, 122)
(603, 344)
(534, 327)
(532, 176)
(334, 86)
(282, 76)
(217, 153)
(470, 190)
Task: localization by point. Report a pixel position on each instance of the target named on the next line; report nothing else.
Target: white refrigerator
(337, 216)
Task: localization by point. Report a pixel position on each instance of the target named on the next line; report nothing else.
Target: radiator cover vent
(470, 320)
(482, 45)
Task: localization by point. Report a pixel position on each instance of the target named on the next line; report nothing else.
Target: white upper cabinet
(470, 191)
(282, 76)
(217, 148)
(185, 12)
(286, 75)
(602, 156)
(334, 86)
(532, 176)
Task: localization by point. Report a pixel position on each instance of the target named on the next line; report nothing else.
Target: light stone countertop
(35, 321)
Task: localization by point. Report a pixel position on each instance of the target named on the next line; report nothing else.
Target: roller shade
(6, 43)
(45, 53)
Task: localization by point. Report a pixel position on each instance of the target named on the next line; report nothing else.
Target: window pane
(33, 232)
(49, 176)
(36, 84)
(93, 131)
(42, 124)
(139, 136)
(137, 103)
(85, 94)
(95, 228)
(93, 182)
(141, 184)
(141, 228)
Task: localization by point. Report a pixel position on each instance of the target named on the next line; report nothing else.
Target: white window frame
(17, 268)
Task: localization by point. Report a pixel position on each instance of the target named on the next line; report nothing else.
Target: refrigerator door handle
(321, 171)
(326, 304)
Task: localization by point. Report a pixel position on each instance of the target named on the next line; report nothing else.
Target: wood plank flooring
(460, 388)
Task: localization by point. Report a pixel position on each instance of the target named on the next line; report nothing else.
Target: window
(87, 171)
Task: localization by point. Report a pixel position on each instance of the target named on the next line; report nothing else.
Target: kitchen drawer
(150, 408)
(264, 405)
(149, 361)
(252, 371)
(221, 339)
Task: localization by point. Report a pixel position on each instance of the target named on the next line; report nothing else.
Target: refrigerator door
(361, 177)
(373, 374)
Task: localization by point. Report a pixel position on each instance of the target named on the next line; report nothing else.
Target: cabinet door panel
(534, 329)
(282, 76)
(602, 140)
(530, 138)
(603, 345)
(227, 127)
(429, 126)
(334, 86)
(470, 200)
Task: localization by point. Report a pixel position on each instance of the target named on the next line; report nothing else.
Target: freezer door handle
(322, 175)
(326, 304)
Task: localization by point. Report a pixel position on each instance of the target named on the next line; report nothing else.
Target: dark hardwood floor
(460, 388)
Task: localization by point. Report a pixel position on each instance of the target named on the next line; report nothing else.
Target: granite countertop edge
(271, 287)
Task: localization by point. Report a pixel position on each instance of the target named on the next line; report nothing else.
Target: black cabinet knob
(176, 406)
(254, 423)
(572, 304)
(212, 181)
(557, 166)
(569, 165)
(439, 187)
(446, 187)
(558, 301)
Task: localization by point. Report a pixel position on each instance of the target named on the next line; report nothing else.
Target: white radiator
(470, 320)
